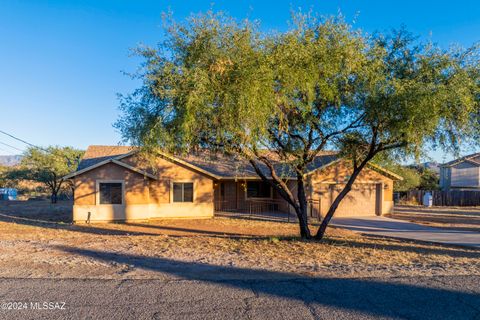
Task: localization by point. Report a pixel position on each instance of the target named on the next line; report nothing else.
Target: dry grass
(153, 250)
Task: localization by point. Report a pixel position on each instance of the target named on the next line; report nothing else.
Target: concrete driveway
(387, 227)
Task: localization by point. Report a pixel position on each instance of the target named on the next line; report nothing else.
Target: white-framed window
(258, 190)
(182, 191)
(110, 192)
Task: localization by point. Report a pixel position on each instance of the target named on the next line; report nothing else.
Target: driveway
(387, 227)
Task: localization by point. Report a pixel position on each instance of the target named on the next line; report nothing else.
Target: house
(117, 183)
(461, 174)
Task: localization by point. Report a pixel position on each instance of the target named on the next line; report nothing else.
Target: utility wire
(5, 144)
(32, 145)
(28, 143)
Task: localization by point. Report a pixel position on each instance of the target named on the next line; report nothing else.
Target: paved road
(382, 226)
(302, 298)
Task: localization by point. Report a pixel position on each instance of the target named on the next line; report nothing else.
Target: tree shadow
(193, 231)
(409, 246)
(401, 299)
(85, 228)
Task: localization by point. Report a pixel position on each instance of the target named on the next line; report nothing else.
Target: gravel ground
(33, 249)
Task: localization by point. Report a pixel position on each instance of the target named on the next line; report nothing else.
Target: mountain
(432, 165)
(10, 161)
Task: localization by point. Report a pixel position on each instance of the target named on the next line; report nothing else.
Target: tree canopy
(47, 166)
(224, 85)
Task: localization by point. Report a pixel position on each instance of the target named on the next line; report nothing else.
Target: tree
(220, 84)
(47, 166)
(429, 180)
(411, 178)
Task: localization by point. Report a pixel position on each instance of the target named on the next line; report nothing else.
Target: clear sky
(61, 62)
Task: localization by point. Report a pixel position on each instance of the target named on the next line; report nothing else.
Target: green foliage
(429, 180)
(411, 179)
(47, 166)
(217, 82)
(222, 84)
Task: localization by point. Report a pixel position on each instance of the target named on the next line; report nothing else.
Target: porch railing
(269, 207)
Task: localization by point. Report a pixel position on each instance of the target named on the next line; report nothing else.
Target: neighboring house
(116, 183)
(461, 174)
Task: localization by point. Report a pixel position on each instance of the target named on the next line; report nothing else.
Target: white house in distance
(461, 174)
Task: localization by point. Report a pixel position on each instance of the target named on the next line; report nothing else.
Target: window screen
(182, 192)
(258, 189)
(110, 193)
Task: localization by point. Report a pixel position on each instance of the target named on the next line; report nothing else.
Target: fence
(269, 207)
(442, 198)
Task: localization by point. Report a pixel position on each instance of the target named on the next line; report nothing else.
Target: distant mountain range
(10, 161)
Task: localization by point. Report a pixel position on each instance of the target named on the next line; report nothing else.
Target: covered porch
(257, 200)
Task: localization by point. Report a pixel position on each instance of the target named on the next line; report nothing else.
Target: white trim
(97, 192)
(76, 173)
(174, 159)
(114, 161)
(142, 172)
(254, 178)
(386, 172)
(372, 166)
(322, 167)
(183, 181)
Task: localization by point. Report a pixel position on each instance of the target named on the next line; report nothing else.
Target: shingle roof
(217, 164)
(469, 158)
(96, 154)
(231, 167)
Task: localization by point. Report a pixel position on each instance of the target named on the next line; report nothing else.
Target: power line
(32, 145)
(5, 144)
(28, 143)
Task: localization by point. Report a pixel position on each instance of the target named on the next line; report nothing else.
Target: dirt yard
(37, 241)
(453, 218)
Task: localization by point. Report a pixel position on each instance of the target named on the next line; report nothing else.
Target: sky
(62, 63)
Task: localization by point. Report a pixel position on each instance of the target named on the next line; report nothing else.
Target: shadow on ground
(389, 298)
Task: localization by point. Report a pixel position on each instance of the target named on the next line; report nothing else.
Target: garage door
(360, 201)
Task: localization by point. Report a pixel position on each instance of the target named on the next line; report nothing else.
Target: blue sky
(61, 62)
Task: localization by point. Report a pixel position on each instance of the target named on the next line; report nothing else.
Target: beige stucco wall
(324, 185)
(144, 198)
(322, 181)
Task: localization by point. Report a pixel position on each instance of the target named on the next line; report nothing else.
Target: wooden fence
(441, 198)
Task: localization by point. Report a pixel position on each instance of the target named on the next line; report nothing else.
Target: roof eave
(102, 163)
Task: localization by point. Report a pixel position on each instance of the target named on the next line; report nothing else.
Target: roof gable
(216, 166)
(471, 158)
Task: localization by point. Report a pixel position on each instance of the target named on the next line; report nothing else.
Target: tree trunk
(331, 211)
(53, 197)
(283, 190)
(302, 209)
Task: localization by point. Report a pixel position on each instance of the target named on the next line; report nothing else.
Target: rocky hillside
(10, 161)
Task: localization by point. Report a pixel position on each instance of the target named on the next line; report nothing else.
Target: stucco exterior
(144, 198)
(147, 189)
(371, 194)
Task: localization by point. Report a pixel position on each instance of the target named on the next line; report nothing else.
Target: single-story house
(461, 174)
(117, 183)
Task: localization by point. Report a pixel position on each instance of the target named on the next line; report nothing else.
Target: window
(258, 189)
(183, 192)
(110, 192)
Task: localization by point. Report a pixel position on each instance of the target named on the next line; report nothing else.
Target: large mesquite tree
(223, 85)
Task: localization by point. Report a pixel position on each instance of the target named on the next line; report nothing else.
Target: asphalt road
(455, 297)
